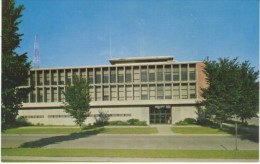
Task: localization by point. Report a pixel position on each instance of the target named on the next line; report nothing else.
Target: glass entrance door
(160, 114)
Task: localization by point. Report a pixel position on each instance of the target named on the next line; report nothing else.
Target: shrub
(132, 121)
(187, 121)
(117, 123)
(140, 123)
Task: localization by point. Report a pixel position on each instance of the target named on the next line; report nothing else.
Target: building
(157, 90)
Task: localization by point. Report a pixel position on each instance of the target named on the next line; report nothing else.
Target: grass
(206, 130)
(132, 153)
(197, 130)
(69, 130)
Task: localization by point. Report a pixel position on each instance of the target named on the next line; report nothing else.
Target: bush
(187, 121)
(134, 122)
(117, 123)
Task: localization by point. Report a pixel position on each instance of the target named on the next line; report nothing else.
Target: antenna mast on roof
(36, 60)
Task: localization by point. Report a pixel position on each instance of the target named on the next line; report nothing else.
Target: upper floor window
(128, 75)
(159, 73)
(184, 72)
(113, 75)
(151, 73)
(90, 76)
(167, 73)
(98, 76)
(144, 74)
(192, 71)
(105, 75)
(120, 77)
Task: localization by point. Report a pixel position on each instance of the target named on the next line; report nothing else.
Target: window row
(131, 74)
(143, 92)
(120, 92)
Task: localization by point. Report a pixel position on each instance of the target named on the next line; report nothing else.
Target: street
(105, 141)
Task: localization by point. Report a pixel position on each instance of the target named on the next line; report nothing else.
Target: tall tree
(14, 67)
(232, 89)
(77, 99)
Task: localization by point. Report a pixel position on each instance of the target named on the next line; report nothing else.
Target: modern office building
(157, 90)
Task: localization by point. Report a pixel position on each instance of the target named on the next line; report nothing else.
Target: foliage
(77, 99)
(232, 89)
(14, 67)
(187, 121)
(102, 118)
(117, 123)
(130, 122)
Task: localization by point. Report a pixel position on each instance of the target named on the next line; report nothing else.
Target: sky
(90, 32)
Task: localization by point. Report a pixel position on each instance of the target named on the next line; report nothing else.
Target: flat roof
(141, 59)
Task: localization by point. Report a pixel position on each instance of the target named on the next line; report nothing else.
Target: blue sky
(90, 32)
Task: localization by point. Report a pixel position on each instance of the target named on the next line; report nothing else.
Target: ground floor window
(160, 114)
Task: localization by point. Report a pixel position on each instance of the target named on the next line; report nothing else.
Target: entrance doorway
(160, 114)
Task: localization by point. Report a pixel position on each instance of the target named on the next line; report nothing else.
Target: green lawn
(203, 130)
(132, 153)
(69, 130)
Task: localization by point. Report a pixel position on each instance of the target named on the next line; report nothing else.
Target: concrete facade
(152, 89)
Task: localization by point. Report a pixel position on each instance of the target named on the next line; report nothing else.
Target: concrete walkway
(163, 129)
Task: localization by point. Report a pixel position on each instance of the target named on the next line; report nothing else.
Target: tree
(15, 67)
(77, 99)
(232, 89)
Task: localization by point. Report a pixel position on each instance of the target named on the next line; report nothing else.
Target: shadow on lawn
(56, 139)
(244, 132)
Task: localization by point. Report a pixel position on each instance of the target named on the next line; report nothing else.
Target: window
(129, 92)
(159, 73)
(33, 78)
(54, 95)
(192, 72)
(128, 75)
(160, 94)
(33, 96)
(167, 73)
(136, 92)
(40, 95)
(144, 74)
(144, 93)
(192, 91)
(83, 73)
(136, 74)
(105, 93)
(184, 91)
(105, 75)
(47, 95)
(47, 78)
(61, 77)
(176, 91)
(151, 74)
(98, 93)
(175, 74)
(69, 76)
(121, 93)
(152, 92)
(61, 95)
(98, 76)
(120, 77)
(90, 76)
(54, 77)
(113, 75)
(168, 91)
(91, 93)
(184, 72)
(39, 78)
(113, 93)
